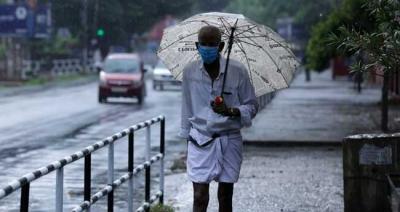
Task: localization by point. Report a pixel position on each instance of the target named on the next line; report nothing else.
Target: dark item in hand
(221, 108)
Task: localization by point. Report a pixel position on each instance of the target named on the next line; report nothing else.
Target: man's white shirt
(221, 159)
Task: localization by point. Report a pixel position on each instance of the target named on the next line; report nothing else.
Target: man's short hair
(210, 30)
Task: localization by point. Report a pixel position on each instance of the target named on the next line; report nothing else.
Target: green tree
(380, 45)
(209, 5)
(118, 18)
(349, 13)
(140, 15)
(304, 12)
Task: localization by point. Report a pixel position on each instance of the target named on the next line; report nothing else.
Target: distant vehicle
(122, 76)
(149, 71)
(162, 76)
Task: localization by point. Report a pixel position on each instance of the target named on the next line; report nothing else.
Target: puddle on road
(112, 121)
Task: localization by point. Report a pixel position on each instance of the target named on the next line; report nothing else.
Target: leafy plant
(378, 47)
(54, 48)
(349, 13)
(161, 208)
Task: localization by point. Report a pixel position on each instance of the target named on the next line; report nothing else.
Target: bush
(161, 208)
(350, 13)
(56, 48)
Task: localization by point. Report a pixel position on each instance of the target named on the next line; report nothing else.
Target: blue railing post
(23, 183)
(162, 151)
(130, 169)
(24, 207)
(148, 166)
(59, 189)
(147, 187)
(110, 178)
(87, 178)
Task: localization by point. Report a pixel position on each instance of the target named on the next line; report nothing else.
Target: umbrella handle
(230, 44)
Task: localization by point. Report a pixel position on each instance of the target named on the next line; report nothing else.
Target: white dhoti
(219, 161)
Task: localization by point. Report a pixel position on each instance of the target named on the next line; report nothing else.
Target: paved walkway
(275, 179)
(319, 111)
(295, 178)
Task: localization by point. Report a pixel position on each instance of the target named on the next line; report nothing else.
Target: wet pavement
(320, 111)
(45, 125)
(276, 179)
(42, 126)
(298, 175)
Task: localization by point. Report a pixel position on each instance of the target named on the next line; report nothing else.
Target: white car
(162, 76)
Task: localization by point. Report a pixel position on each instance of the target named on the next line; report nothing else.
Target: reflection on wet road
(38, 128)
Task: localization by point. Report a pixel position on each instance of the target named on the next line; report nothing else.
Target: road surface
(40, 127)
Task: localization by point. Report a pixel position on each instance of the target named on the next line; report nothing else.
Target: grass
(161, 208)
(36, 81)
(64, 78)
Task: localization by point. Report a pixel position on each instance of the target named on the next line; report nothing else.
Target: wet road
(38, 128)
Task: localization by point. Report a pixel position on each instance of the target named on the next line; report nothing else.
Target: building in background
(19, 23)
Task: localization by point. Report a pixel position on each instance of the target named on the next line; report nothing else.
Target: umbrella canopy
(267, 57)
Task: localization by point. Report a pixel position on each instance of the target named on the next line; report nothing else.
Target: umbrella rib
(253, 36)
(202, 21)
(266, 52)
(246, 25)
(255, 25)
(265, 35)
(223, 24)
(251, 44)
(247, 60)
(226, 28)
(279, 43)
(162, 49)
(244, 31)
(256, 72)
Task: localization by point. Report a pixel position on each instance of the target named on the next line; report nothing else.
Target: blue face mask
(208, 54)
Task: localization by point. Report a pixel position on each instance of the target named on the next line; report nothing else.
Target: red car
(122, 76)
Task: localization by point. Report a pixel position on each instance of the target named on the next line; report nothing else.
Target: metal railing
(56, 67)
(88, 200)
(264, 100)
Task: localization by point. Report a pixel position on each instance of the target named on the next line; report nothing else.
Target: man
(213, 130)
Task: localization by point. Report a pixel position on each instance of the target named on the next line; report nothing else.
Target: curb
(36, 88)
(291, 143)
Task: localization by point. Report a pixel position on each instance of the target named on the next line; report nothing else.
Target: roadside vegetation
(368, 32)
(161, 208)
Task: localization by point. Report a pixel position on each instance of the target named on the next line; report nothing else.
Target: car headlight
(102, 79)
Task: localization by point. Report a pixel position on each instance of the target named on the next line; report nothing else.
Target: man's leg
(200, 197)
(225, 192)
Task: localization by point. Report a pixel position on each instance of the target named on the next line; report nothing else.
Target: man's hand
(221, 108)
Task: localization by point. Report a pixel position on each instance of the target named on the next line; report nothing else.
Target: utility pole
(85, 35)
(96, 10)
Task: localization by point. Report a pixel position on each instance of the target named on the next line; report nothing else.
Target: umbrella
(267, 57)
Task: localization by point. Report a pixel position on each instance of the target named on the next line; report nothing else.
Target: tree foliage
(55, 48)
(304, 12)
(209, 5)
(374, 47)
(381, 44)
(349, 14)
(118, 18)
